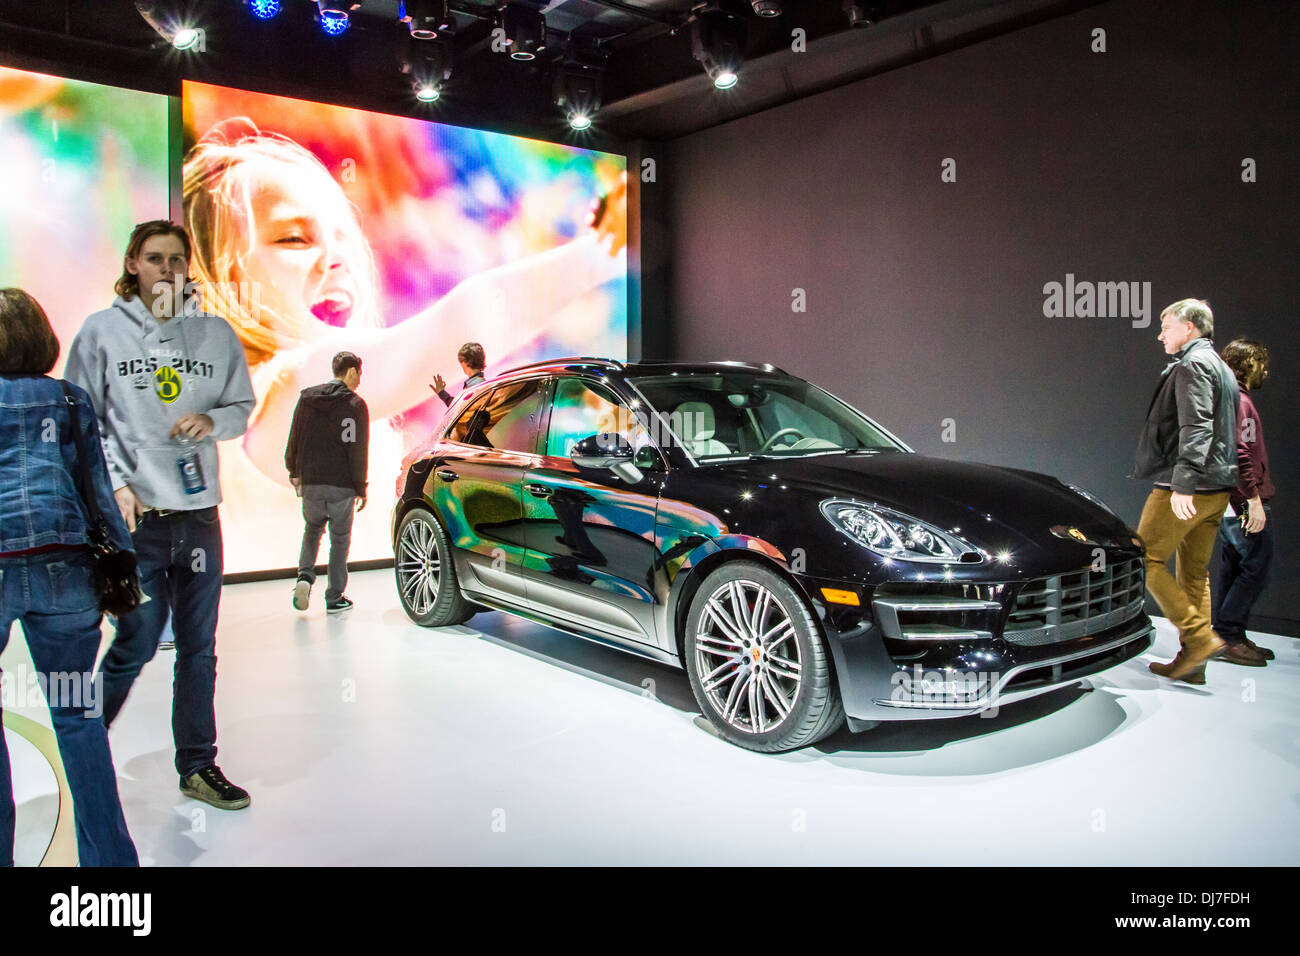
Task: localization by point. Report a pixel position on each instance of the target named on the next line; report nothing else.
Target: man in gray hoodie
(168, 382)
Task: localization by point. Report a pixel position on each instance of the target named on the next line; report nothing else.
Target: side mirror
(610, 451)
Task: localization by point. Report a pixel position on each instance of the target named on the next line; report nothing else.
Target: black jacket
(329, 439)
(1189, 441)
(470, 382)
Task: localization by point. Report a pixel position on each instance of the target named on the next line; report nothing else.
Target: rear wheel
(426, 574)
(757, 661)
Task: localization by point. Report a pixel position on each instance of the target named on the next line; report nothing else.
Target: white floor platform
(366, 739)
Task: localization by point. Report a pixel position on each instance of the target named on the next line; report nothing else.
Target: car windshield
(730, 413)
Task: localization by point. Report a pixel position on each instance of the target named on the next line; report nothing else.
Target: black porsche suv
(800, 562)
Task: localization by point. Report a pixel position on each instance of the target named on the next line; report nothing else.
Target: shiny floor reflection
(366, 739)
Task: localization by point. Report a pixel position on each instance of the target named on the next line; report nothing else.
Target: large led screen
(80, 164)
(321, 229)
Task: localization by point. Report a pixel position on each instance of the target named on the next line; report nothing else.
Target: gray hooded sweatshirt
(142, 375)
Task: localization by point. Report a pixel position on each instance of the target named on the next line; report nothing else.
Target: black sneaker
(342, 604)
(301, 594)
(211, 786)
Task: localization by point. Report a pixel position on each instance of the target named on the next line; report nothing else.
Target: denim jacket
(39, 501)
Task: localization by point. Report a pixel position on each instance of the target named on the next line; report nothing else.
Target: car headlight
(893, 534)
(1091, 497)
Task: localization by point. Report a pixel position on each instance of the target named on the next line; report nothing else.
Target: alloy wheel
(418, 565)
(747, 656)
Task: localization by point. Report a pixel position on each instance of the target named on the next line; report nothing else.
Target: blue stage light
(333, 25)
(264, 9)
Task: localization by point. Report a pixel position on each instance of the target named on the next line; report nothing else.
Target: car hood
(994, 508)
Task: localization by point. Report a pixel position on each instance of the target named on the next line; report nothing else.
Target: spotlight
(579, 82)
(264, 9)
(525, 30)
(718, 42)
(425, 18)
(858, 15)
(168, 23)
(766, 8)
(335, 14)
(427, 63)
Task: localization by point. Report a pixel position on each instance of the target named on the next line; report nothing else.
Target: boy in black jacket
(327, 460)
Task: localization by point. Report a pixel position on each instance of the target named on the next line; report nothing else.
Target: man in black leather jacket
(1188, 450)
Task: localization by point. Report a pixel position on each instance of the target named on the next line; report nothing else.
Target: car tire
(426, 574)
(748, 684)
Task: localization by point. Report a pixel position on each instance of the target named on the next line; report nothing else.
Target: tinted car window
(468, 428)
(722, 414)
(580, 410)
(505, 419)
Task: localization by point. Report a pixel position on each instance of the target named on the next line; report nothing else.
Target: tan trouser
(1184, 599)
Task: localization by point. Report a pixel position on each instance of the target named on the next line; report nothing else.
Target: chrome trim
(886, 611)
(995, 695)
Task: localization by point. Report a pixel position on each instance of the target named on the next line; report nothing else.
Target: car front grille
(1066, 606)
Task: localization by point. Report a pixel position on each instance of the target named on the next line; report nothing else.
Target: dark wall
(925, 299)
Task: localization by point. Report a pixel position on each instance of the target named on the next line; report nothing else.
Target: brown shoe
(1238, 652)
(1190, 663)
(1268, 654)
(1177, 670)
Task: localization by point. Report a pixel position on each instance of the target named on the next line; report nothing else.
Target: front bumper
(922, 655)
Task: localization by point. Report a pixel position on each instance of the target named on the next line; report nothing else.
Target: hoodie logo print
(167, 384)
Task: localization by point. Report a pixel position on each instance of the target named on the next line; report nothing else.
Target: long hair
(217, 192)
(1248, 360)
(128, 285)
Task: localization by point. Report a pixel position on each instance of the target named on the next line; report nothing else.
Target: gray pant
(322, 504)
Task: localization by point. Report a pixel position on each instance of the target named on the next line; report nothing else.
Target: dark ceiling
(653, 87)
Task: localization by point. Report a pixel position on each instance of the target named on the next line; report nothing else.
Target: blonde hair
(217, 194)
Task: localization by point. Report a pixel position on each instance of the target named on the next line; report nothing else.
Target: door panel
(591, 535)
(476, 487)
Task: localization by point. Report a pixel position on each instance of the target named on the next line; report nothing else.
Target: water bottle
(187, 461)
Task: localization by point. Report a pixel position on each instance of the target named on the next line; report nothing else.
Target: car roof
(587, 363)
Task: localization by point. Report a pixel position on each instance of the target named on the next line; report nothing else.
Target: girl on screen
(280, 252)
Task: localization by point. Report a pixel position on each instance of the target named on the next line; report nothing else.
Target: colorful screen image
(81, 164)
(320, 229)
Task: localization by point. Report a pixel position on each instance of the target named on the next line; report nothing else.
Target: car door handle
(446, 474)
(539, 491)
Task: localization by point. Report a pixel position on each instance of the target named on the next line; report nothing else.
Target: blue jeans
(1244, 560)
(179, 556)
(52, 595)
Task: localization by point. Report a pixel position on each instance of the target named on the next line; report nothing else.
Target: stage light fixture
(718, 42)
(578, 86)
(428, 64)
(168, 23)
(264, 9)
(858, 14)
(335, 15)
(525, 30)
(425, 18)
(766, 8)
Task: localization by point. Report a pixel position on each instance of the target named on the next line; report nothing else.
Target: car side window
(506, 419)
(581, 409)
(468, 427)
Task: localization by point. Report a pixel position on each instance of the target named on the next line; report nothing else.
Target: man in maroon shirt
(1245, 533)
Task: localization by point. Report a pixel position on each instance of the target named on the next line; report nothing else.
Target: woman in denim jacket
(46, 574)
